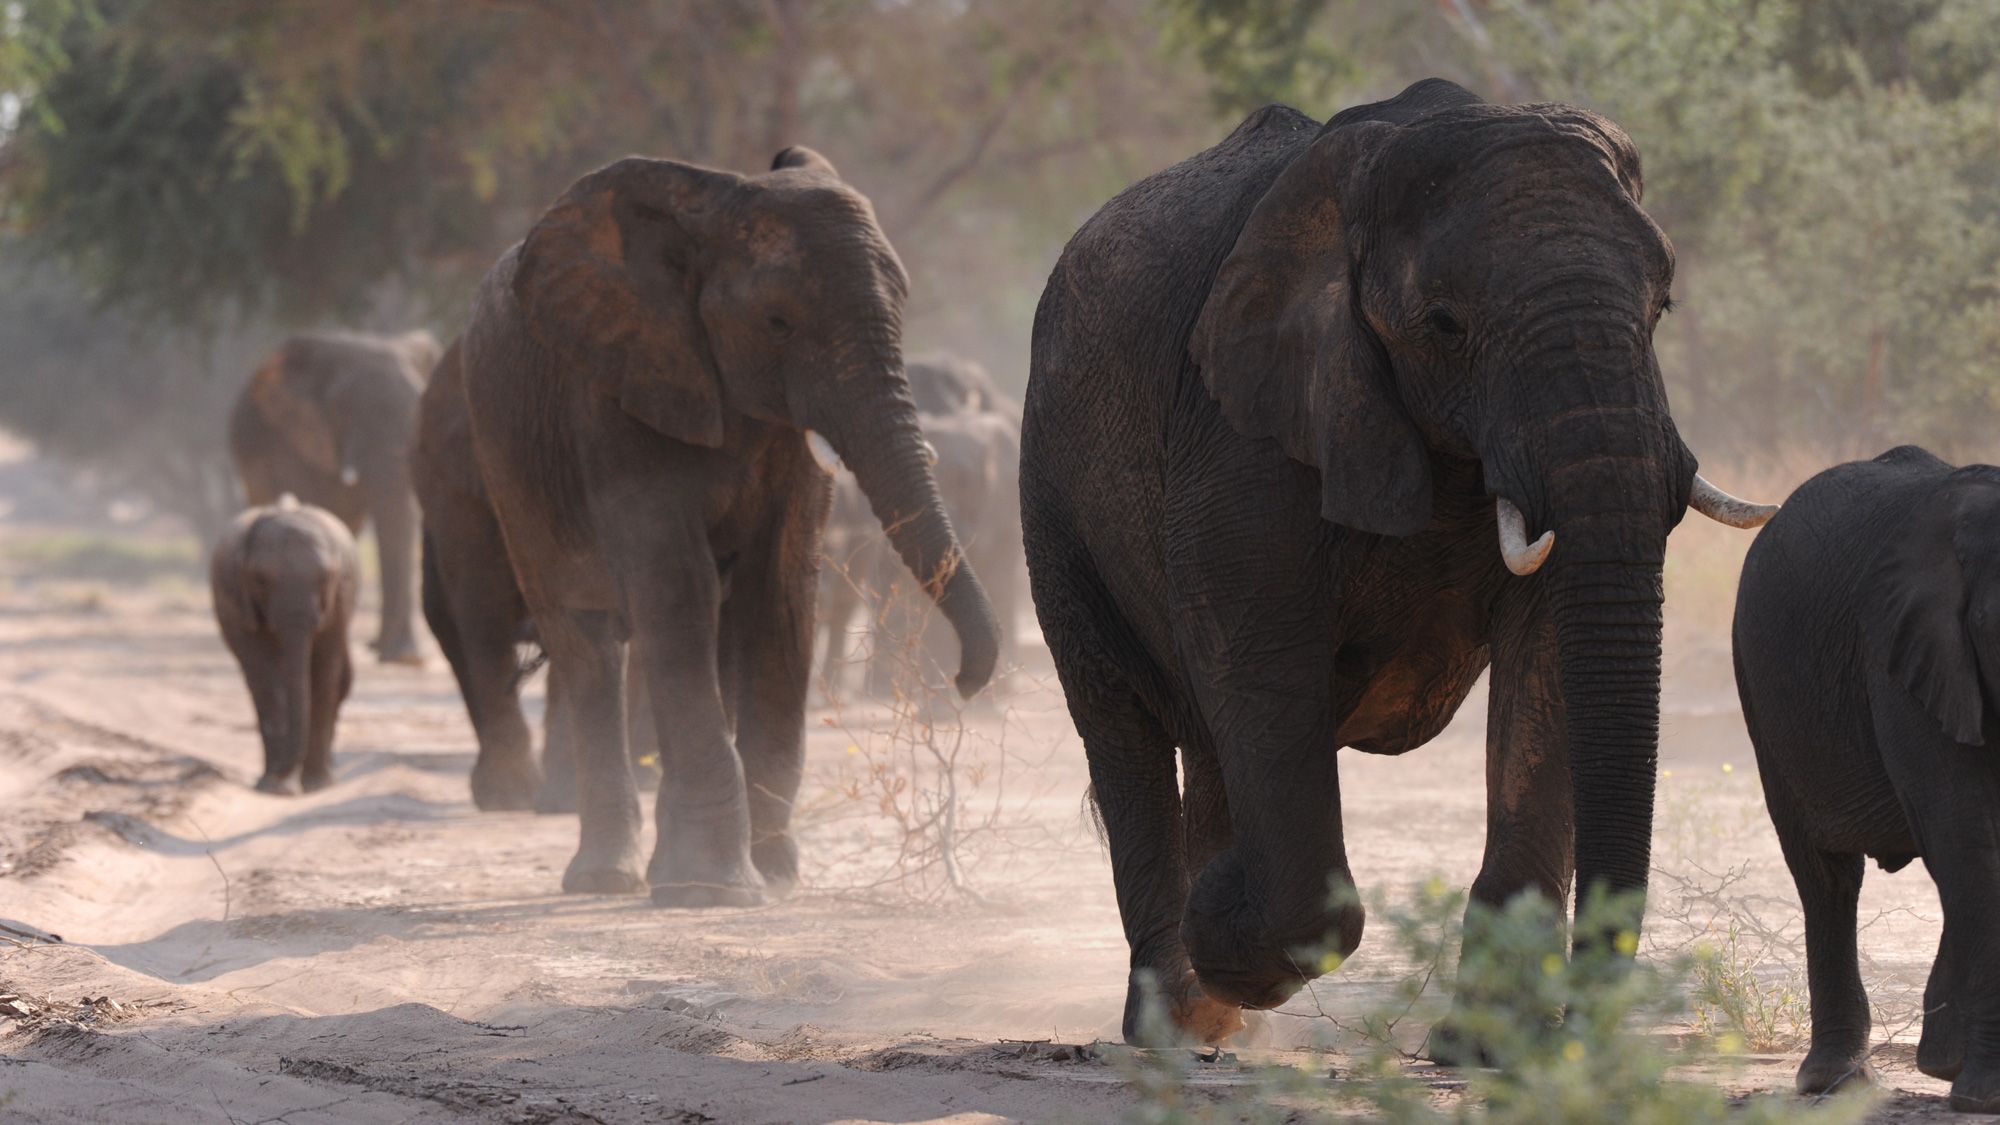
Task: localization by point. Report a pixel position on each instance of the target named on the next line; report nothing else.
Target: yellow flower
(1730, 1043)
(1331, 962)
(1727, 768)
(853, 749)
(1626, 942)
(1573, 1050)
(1552, 964)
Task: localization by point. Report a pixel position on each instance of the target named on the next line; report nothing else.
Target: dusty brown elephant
(329, 418)
(284, 578)
(642, 372)
(475, 610)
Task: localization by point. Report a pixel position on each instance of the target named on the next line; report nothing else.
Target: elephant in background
(1867, 643)
(976, 433)
(475, 609)
(642, 372)
(329, 418)
(1286, 399)
(283, 579)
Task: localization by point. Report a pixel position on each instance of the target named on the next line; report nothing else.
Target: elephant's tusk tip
(1531, 560)
(1522, 557)
(823, 452)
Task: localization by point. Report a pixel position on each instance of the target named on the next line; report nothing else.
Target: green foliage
(1828, 174)
(1570, 1039)
(1258, 51)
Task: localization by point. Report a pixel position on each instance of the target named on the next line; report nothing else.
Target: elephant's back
(1797, 635)
(1109, 370)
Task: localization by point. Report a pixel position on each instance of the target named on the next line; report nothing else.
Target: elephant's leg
(640, 734)
(767, 628)
(333, 678)
(475, 610)
(1132, 784)
(585, 646)
(1204, 804)
(257, 655)
(1968, 878)
(702, 854)
(558, 792)
(843, 599)
(1829, 886)
(1950, 794)
(1529, 797)
(1941, 1050)
(394, 509)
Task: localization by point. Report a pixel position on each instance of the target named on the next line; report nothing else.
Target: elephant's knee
(1254, 957)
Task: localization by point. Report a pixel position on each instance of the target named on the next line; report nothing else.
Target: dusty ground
(382, 952)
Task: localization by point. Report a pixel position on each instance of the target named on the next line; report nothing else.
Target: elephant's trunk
(1598, 462)
(1607, 615)
(881, 442)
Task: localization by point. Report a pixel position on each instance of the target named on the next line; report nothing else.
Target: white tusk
(1721, 507)
(823, 452)
(1523, 558)
(930, 454)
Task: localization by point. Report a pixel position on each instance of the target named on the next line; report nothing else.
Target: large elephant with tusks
(1321, 423)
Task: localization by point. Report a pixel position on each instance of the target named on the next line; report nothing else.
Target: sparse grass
(1570, 1037)
(107, 557)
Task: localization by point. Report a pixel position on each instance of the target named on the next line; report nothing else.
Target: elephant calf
(284, 581)
(1869, 665)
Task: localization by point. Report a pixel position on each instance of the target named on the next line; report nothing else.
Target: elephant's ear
(1283, 348)
(1915, 606)
(288, 405)
(604, 278)
(799, 156)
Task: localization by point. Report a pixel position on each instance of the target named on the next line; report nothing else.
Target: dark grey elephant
(283, 580)
(329, 418)
(1867, 645)
(642, 372)
(1286, 399)
(975, 432)
(475, 610)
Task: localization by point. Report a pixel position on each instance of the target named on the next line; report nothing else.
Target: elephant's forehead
(772, 240)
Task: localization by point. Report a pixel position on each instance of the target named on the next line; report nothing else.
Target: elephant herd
(1321, 424)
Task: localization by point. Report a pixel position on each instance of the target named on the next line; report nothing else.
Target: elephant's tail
(1094, 812)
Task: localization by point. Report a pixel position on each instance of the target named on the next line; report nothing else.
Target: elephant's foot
(1448, 1044)
(508, 786)
(1976, 1090)
(315, 780)
(276, 785)
(702, 856)
(595, 873)
(1829, 1067)
(402, 650)
(698, 896)
(1941, 1050)
(1193, 1017)
(776, 857)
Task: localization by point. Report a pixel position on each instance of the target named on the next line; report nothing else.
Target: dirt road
(382, 952)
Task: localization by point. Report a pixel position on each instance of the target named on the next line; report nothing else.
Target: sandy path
(382, 952)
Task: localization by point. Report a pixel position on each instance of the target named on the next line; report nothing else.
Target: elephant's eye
(780, 325)
(1445, 324)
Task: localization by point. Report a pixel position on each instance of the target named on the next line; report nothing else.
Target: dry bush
(932, 788)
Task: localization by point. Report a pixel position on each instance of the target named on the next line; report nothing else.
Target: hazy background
(183, 181)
